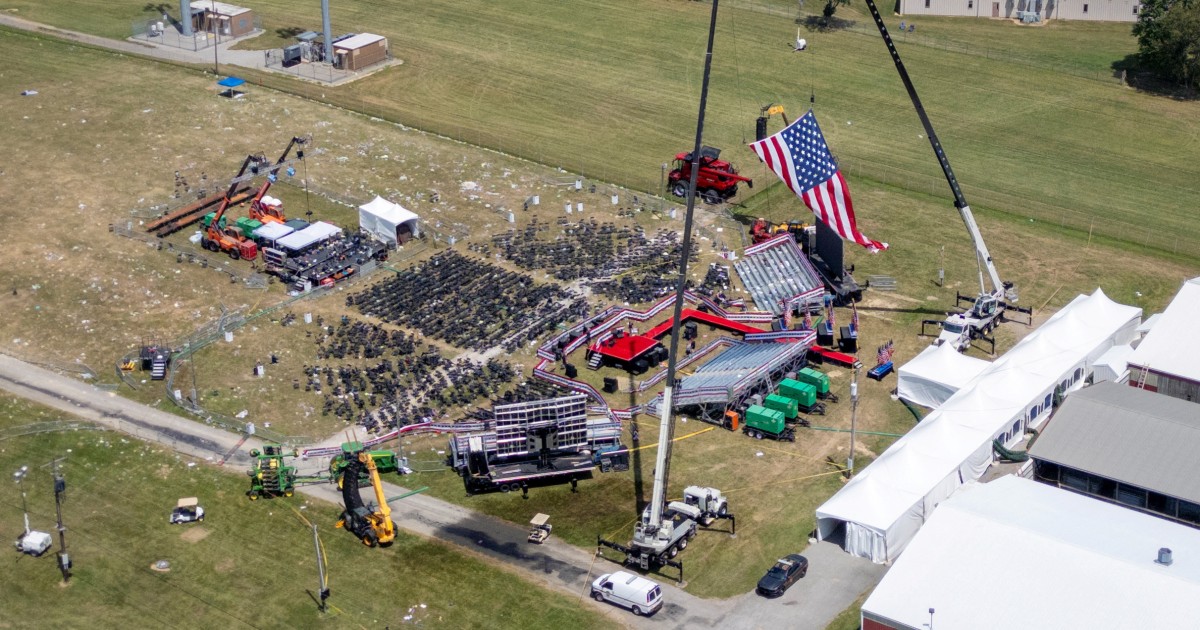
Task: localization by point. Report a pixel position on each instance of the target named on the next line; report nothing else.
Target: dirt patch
(164, 471)
(224, 566)
(194, 534)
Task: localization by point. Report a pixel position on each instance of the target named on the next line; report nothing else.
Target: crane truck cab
(959, 329)
(709, 501)
(640, 595)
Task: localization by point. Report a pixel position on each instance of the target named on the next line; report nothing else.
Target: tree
(830, 8)
(1168, 33)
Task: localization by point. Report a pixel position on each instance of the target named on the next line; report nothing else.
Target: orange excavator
(217, 237)
(268, 209)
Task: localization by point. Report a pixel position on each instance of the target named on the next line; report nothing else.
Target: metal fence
(249, 278)
(167, 31)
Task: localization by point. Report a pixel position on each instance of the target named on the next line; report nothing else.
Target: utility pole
(853, 422)
(323, 584)
(60, 491)
(216, 27)
(18, 477)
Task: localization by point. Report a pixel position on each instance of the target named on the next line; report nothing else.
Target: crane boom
(999, 288)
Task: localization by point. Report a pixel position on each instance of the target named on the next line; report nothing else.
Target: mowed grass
(247, 565)
(610, 90)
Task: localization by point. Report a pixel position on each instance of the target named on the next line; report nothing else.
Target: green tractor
(385, 461)
(271, 477)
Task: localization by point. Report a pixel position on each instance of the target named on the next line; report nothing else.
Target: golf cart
(187, 510)
(539, 528)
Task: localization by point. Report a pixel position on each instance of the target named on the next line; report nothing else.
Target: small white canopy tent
(387, 221)
(934, 375)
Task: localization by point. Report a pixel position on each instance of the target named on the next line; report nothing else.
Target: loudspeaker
(572, 372)
(610, 385)
(760, 128)
(848, 342)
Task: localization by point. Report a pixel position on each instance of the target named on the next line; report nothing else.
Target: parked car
(785, 573)
(187, 511)
(642, 596)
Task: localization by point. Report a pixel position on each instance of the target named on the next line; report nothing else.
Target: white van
(634, 592)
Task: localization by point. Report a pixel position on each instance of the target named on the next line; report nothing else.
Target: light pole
(853, 423)
(662, 181)
(216, 27)
(18, 477)
(930, 619)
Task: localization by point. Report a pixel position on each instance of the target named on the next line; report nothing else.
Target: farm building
(1164, 361)
(1095, 10)
(880, 510)
(1126, 446)
(1016, 553)
(224, 19)
(360, 51)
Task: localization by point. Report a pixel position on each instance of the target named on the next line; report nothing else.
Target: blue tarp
(231, 82)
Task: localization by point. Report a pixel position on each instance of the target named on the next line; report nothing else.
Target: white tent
(1172, 345)
(934, 375)
(882, 508)
(315, 233)
(386, 220)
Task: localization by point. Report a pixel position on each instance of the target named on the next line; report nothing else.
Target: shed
(389, 222)
(359, 51)
(222, 18)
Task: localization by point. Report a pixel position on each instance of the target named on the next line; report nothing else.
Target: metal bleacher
(739, 368)
(778, 274)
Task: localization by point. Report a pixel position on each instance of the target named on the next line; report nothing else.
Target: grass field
(609, 90)
(247, 565)
(563, 84)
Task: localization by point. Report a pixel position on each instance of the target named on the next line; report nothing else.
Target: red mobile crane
(230, 238)
(274, 213)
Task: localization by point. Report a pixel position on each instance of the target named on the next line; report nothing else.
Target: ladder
(1141, 383)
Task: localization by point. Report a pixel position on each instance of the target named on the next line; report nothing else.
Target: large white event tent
(933, 376)
(883, 506)
(384, 219)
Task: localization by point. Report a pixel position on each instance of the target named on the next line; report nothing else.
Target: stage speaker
(848, 342)
(689, 330)
(760, 128)
(572, 372)
(610, 385)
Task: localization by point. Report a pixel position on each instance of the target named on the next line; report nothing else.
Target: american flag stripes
(884, 354)
(799, 156)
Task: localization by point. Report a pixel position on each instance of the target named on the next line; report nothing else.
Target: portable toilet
(783, 404)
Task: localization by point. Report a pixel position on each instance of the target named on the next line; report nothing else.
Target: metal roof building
(1167, 354)
(1127, 446)
(1018, 554)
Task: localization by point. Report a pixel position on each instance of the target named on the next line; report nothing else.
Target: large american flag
(798, 156)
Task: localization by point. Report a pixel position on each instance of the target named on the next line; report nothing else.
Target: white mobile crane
(987, 308)
(665, 529)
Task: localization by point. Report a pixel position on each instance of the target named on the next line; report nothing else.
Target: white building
(1166, 359)
(1015, 553)
(1094, 10)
